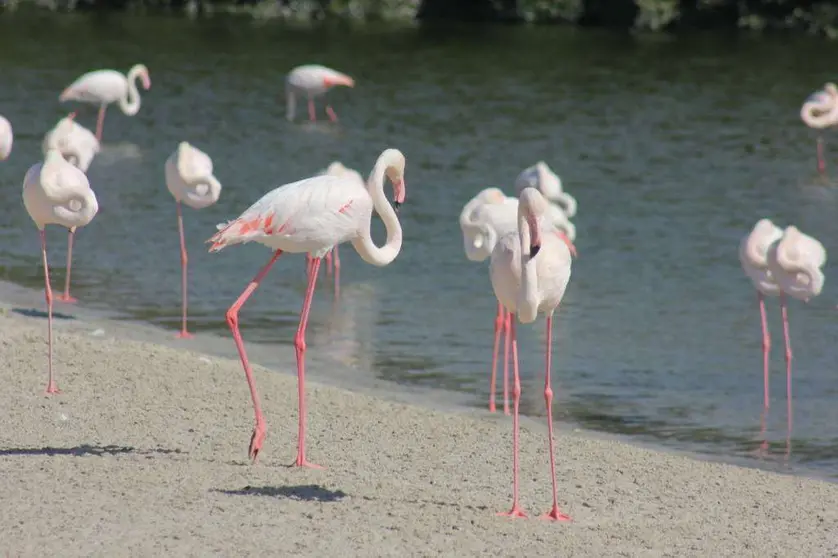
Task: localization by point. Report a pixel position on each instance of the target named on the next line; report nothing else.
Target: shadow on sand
(85, 450)
(33, 313)
(307, 493)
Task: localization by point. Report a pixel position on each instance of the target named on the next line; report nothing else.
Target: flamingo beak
(398, 194)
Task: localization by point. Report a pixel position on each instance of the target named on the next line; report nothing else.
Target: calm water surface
(673, 148)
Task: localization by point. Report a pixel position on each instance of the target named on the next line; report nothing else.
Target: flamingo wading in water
(190, 180)
(312, 80)
(56, 193)
(485, 218)
(78, 146)
(6, 138)
(530, 270)
(313, 215)
(820, 111)
(103, 87)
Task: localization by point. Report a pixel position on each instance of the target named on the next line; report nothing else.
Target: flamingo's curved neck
(528, 293)
(364, 244)
(130, 104)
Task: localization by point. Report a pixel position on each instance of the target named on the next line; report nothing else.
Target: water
(673, 148)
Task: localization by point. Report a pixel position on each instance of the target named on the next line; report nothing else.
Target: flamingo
(78, 146)
(530, 270)
(543, 179)
(795, 262)
(6, 138)
(313, 215)
(190, 180)
(312, 80)
(485, 218)
(753, 255)
(820, 111)
(103, 87)
(336, 168)
(56, 193)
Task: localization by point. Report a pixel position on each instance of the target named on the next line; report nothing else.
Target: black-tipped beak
(396, 206)
(534, 250)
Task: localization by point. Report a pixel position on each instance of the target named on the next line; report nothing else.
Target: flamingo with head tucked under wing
(103, 87)
(820, 111)
(190, 180)
(6, 138)
(56, 193)
(542, 178)
(313, 215)
(312, 80)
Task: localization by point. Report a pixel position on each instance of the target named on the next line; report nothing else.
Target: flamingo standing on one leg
(313, 215)
(103, 87)
(542, 178)
(6, 138)
(753, 254)
(795, 263)
(56, 193)
(336, 169)
(78, 146)
(190, 180)
(820, 111)
(530, 270)
(312, 80)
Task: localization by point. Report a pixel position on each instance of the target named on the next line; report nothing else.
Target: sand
(145, 454)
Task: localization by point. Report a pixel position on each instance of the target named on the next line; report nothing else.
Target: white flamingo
(78, 146)
(338, 169)
(103, 87)
(190, 180)
(6, 138)
(484, 219)
(56, 193)
(312, 80)
(543, 179)
(820, 111)
(530, 270)
(313, 215)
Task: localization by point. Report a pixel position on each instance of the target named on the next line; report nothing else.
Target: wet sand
(145, 454)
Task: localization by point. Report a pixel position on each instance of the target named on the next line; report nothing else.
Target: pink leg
(233, 321)
(507, 328)
(516, 510)
(66, 296)
(821, 162)
(308, 264)
(766, 348)
(51, 385)
(554, 513)
(329, 263)
(300, 346)
(495, 349)
(100, 123)
(332, 116)
(784, 310)
(337, 271)
(184, 260)
(311, 113)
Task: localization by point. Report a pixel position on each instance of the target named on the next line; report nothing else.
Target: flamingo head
(339, 79)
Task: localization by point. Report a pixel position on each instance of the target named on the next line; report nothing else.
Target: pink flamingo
(820, 111)
(530, 270)
(56, 193)
(6, 138)
(190, 180)
(103, 87)
(78, 146)
(313, 215)
(312, 80)
(336, 169)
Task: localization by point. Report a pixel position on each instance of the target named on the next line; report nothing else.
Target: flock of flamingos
(528, 239)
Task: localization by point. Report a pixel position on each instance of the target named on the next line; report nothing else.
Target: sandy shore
(145, 454)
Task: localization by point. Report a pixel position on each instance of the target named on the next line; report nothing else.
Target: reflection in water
(113, 153)
(348, 333)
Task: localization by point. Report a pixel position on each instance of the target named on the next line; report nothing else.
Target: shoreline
(145, 453)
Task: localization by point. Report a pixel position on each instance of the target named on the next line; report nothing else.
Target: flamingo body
(753, 255)
(77, 144)
(542, 178)
(795, 263)
(6, 138)
(312, 80)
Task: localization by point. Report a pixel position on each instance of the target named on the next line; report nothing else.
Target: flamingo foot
(555, 515)
(256, 442)
(303, 462)
(66, 298)
(516, 511)
(184, 335)
(52, 388)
